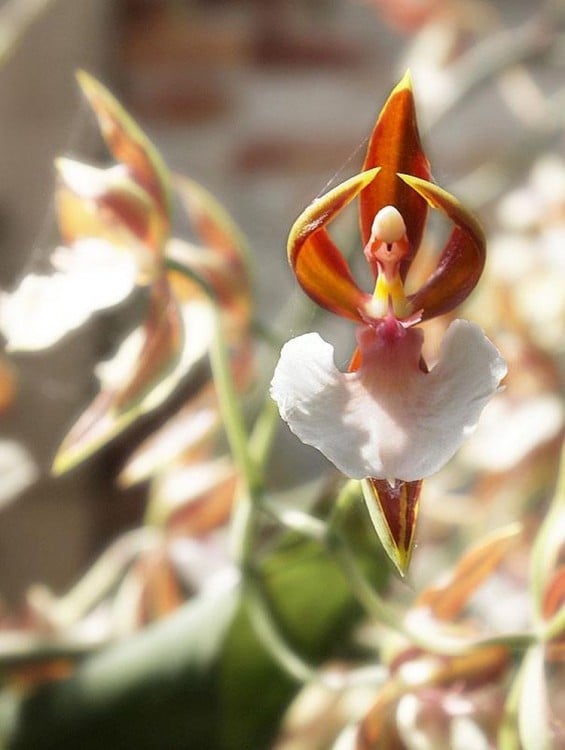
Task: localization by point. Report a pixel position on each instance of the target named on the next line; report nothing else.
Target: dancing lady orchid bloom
(389, 420)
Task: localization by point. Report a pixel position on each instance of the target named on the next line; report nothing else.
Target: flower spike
(320, 268)
(395, 147)
(462, 260)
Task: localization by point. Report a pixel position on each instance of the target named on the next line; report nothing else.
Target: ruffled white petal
(389, 419)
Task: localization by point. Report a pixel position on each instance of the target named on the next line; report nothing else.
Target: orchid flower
(389, 420)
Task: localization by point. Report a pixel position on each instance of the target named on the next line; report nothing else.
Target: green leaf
(156, 690)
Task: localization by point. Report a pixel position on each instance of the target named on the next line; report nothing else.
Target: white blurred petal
(466, 734)
(347, 739)
(548, 178)
(103, 275)
(511, 258)
(389, 419)
(182, 485)
(552, 244)
(198, 324)
(204, 563)
(115, 372)
(521, 210)
(91, 275)
(40, 311)
(17, 470)
(541, 303)
(509, 431)
(414, 736)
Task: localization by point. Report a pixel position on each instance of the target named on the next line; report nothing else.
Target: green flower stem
(234, 423)
(443, 644)
(265, 624)
(251, 496)
(491, 179)
(273, 339)
(263, 434)
(250, 455)
(508, 738)
(297, 520)
(340, 550)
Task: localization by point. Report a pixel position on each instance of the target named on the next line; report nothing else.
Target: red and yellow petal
(127, 142)
(462, 260)
(107, 204)
(320, 268)
(395, 147)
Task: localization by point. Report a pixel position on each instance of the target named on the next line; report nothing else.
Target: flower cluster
(115, 223)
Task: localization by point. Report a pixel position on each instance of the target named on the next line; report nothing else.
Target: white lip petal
(388, 419)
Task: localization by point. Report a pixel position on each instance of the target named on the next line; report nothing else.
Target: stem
(297, 520)
(496, 54)
(265, 624)
(250, 455)
(508, 738)
(272, 338)
(488, 181)
(264, 621)
(18, 648)
(263, 434)
(339, 548)
(547, 544)
(16, 17)
(228, 399)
